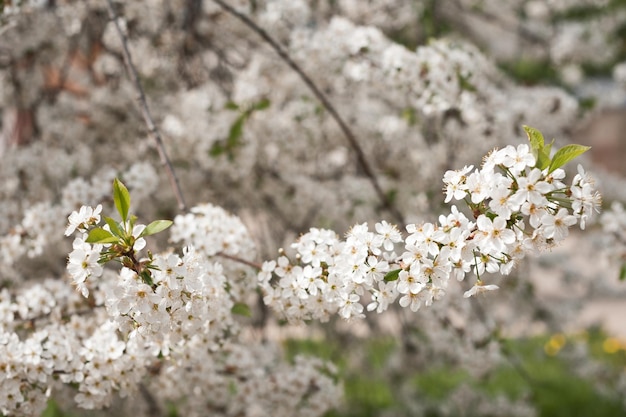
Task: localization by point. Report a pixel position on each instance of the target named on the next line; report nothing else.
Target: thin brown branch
(354, 143)
(153, 407)
(145, 110)
(240, 260)
(504, 23)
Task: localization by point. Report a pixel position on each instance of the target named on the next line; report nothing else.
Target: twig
(151, 402)
(501, 23)
(145, 110)
(240, 260)
(354, 143)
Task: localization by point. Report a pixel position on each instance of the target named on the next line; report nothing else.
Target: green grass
(537, 369)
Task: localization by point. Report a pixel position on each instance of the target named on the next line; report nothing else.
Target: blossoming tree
(328, 125)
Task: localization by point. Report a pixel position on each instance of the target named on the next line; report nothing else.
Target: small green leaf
(543, 159)
(99, 235)
(146, 277)
(131, 222)
(216, 150)
(548, 147)
(241, 309)
(409, 115)
(121, 197)
(261, 105)
(535, 138)
(236, 130)
(156, 227)
(392, 275)
(566, 154)
(543, 156)
(622, 272)
(587, 103)
(231, 105)
(465, 84)
(392, 195)
(114, 226)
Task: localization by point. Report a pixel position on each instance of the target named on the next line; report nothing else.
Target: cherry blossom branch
(145, 110)
(352, 139)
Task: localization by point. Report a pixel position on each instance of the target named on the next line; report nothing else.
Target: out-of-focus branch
(354, 143)
(509, 25)
(145, 110)
(240, 260)
(151, 401)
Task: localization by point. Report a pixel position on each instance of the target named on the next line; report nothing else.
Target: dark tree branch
(145, 110)
(354, 143)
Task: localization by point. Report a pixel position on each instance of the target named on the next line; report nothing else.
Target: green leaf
(99, 235)
(543, 160)
(392, 195)
(543, 156)
(114, 226)
(146, 277)
(622, 272)
(156, 227)
(587, 103)
(241, 309)
(566, 154)
(131, 222)
(236, 130)
(121, 197)
(535, 138)
(409, 115)
(261, 105)
(392, 275)
(52, 409)
(465, 84)
(231, 105)
(216, 150)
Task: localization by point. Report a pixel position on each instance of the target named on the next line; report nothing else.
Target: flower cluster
(517, 208)
(188, 296)
(43, 351)
(211, 230)
(216, 234)
(161, 299)
(44, 343)
(176, 312)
